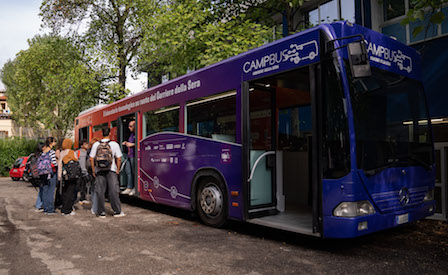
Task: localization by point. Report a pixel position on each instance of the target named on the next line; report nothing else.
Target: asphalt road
(154, 239)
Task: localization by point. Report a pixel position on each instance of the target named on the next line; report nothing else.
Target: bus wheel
(211, 202)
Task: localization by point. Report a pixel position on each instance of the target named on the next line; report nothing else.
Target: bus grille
(390, 201)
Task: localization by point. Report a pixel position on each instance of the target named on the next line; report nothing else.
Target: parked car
(17, 169)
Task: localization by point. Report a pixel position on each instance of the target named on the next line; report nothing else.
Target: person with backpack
(105, 156)
(34, 176)
(46, 165)
(69, 172)
(82, 156)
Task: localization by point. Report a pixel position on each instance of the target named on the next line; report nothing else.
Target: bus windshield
(391, 122)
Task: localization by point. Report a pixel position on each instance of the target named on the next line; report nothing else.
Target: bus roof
(284, 54)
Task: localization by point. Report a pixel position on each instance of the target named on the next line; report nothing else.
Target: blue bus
(325, 132)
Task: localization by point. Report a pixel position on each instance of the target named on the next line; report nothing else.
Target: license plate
(400, 219)
(15, 170)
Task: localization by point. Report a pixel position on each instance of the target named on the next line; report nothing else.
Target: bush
(11, 149)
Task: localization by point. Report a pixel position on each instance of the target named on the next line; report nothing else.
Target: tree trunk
(121, 53)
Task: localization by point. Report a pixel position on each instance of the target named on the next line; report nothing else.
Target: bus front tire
(211, 202)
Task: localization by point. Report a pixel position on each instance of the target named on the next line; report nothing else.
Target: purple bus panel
(285, 54)
(384, 52)
(169, 162)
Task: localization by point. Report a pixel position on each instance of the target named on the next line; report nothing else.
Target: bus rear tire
(211, 202)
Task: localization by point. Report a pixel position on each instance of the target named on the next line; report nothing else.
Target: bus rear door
(123, 135)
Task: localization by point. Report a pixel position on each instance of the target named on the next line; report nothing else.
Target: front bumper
(342, 227)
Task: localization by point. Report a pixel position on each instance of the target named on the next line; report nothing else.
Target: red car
(16, 172)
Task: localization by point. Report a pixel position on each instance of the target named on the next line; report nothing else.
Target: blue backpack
(44, 164)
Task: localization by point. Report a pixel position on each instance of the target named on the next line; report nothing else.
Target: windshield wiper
(420, 162)
(392, 163)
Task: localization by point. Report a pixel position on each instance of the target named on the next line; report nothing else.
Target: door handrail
(256, 163)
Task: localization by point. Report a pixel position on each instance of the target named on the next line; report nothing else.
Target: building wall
(8, 128)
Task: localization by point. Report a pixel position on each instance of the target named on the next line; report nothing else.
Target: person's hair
(59, 145)
(106, 131)
(38, 149)
(82, 142)
(49, 140)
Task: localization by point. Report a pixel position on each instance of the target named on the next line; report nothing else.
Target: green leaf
(417, 30)
(437, 18)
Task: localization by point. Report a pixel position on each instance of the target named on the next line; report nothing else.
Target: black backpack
(71, 171)
(32, 168)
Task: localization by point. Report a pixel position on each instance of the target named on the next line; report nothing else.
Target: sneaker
(126, 191)
(69, 214)
(117, 215)
(93, 212)
(50, 213)
(102, 215)
(84, 202)
(132, 193)
(39, 210)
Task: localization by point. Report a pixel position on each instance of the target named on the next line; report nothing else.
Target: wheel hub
(211, 200)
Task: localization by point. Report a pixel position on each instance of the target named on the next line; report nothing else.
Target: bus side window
(335, 137)
(213, 117)
(97, 130)
(161, 120)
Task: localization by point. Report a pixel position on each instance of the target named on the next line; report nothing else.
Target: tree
(189, 34)
(423, 9)
(113, 32)
(265, 11)
(50, 83)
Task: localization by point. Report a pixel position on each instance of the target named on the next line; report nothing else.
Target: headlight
(429, 196)
(353, 209)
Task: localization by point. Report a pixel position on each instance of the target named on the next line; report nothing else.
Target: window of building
(161, 120)
(3, 106)
(333, 10)
(213, 117)
(3, 134)
(394, 11)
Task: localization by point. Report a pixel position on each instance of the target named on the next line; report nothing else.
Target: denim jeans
(48, 194)
(39, 202)
(109, 181)
(94, 203)
(129, 168)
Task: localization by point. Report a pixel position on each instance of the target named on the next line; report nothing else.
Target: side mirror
(359, 59)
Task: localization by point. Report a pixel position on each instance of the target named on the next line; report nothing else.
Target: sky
(20, 21)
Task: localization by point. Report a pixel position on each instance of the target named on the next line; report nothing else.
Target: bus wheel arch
(210, 197)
